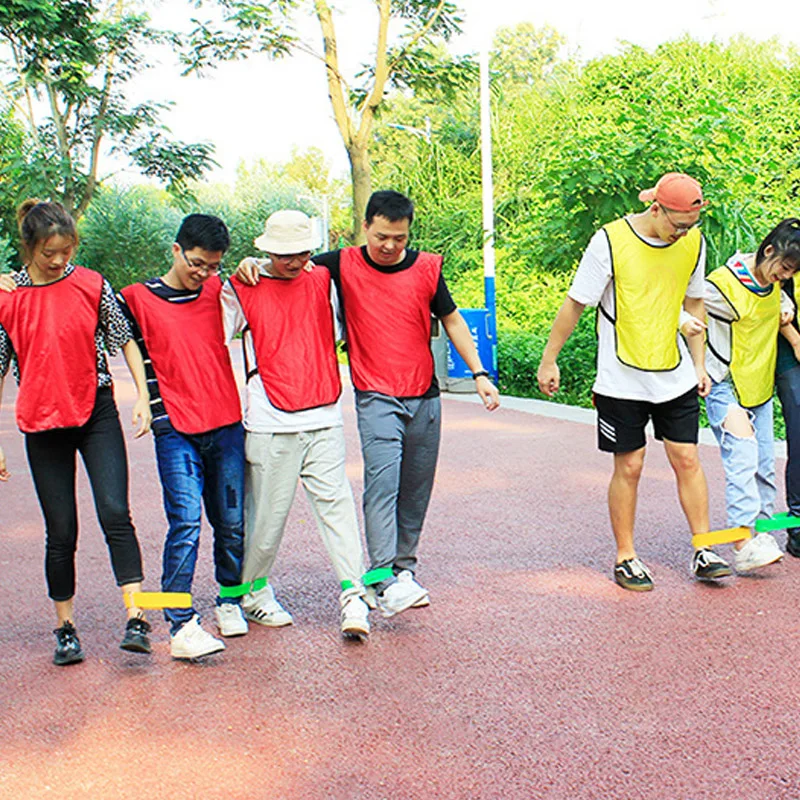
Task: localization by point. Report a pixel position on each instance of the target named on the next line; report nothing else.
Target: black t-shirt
(442, 303)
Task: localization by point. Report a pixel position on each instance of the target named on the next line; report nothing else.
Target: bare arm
(459, 335)
(141, 409)
(4, 473)
(548, 375)
(697, 346)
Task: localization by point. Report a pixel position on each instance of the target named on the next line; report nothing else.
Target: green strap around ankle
(243, 588)
(377, 576)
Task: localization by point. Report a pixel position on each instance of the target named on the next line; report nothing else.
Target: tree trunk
(361, 178)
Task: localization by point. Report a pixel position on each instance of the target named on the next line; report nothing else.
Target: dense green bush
(127, 233)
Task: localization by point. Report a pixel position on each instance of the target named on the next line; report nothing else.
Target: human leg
(325, 481)
(734, 429)
(272, 467)
(420, 455)
(180, 470)
(222, 452)
(381, 426)
(788, 384)
(763, 424)
(51, 457)
(102, 447)
(622, 495)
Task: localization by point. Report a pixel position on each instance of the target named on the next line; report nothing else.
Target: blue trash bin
(458, 373)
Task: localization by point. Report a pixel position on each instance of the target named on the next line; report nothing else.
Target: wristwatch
(480, 373)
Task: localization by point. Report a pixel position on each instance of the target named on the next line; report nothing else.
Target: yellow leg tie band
(159, 600)
(720, 537)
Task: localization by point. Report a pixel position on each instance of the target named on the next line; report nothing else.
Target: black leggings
(51, 456)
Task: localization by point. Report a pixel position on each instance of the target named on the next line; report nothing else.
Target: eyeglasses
(680, 228)
(288, 258)
(200, 265)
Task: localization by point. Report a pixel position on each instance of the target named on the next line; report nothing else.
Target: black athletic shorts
(621, 423)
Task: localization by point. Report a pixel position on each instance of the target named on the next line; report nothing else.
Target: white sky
(261, 109)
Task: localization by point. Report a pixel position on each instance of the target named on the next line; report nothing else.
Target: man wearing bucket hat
(640, 272)
(199, 439)
(387, 294)
(292, 417)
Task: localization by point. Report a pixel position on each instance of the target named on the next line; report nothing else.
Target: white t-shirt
(593, 284)
(260, 416)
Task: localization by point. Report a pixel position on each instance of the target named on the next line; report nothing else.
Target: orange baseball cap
(675, 191)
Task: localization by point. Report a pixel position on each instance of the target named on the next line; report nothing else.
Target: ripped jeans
(749, 463)
(195, 470)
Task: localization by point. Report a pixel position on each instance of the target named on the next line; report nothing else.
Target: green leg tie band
(347, 585)
(243, 588)
(776, 524)
(377, 576)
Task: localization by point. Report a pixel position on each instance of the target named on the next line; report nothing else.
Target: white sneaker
(406, 576)
(355, 624)
(230, 619)
(191, 641)
(399, 596)
(263, 608)
(371, 597)
(757, 552)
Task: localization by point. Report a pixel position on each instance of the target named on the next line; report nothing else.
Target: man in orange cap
(640, 271)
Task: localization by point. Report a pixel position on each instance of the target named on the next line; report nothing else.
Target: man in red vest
(388, 294)
(293, 417)
(197, 425)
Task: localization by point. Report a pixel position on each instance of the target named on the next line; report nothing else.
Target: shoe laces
(139, 624)
(66, 634)
(638, 568)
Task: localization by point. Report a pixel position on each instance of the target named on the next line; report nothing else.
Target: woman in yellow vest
(743, 303)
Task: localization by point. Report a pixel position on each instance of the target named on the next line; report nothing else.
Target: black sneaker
(633, 574)
(707, 565)
(793, 542)
(68, 646)
(135, 639)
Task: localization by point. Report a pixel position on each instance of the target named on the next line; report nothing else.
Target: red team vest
(52, 328)
(291, 322)
(186, 344)
(388, 319)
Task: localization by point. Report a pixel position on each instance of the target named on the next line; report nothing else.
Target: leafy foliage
(73, 59)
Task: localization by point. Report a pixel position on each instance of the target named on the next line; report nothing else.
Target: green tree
(412, 60)
(67, 65)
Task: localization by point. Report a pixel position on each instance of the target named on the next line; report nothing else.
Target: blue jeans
(788, 384)
(749, 462)
(195, 470)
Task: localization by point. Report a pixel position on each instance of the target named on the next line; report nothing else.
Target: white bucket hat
(287, 232)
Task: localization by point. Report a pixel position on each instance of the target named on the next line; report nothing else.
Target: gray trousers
(400, 446)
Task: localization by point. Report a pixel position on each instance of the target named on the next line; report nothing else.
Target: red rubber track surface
(531, 675)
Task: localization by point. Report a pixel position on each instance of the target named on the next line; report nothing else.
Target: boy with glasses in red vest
(196, 423)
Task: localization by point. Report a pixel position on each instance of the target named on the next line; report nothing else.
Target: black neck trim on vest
(410, 258)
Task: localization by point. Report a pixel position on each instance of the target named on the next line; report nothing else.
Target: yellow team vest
(754, 337)
(649, 288)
